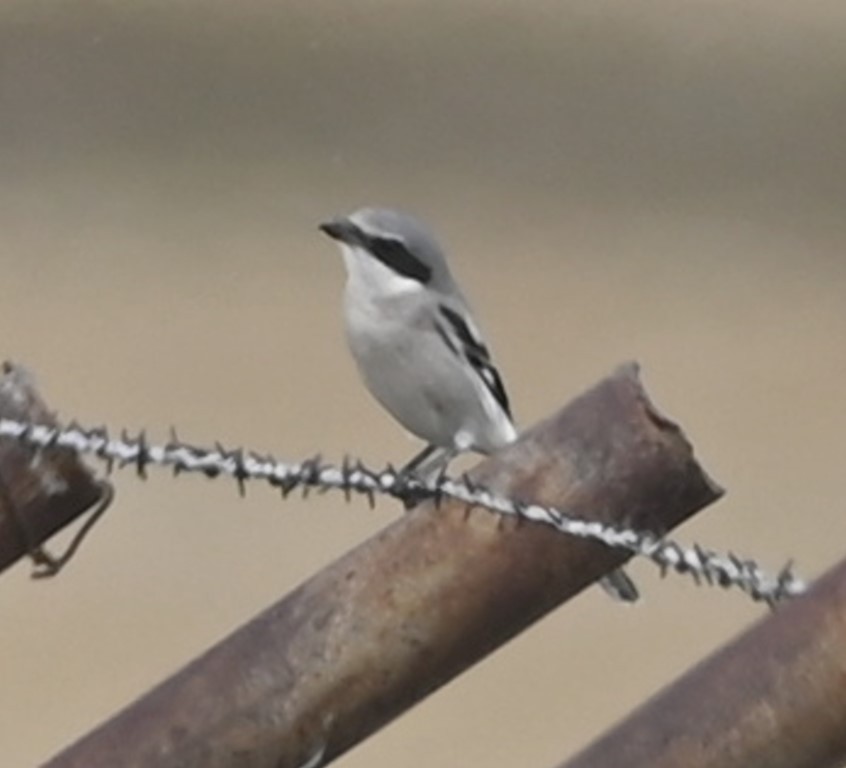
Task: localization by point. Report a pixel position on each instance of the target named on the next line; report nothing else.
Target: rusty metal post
(773, 698)
(409, 609)
(41, 491)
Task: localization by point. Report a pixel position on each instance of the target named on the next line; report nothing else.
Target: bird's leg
(410, 470)
(412, 466)
(427, 464)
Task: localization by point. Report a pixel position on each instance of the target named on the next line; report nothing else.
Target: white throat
(369, 279)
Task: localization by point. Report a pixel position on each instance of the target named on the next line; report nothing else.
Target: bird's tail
(619, 585)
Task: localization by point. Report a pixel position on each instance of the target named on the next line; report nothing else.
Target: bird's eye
(394, 254)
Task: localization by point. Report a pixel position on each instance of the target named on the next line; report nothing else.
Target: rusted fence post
(774, 698)
(41, 491)
(409, 609)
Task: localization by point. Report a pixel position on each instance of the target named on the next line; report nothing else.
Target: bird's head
(388, 253)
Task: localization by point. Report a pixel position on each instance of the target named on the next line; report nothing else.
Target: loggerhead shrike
(417, 346)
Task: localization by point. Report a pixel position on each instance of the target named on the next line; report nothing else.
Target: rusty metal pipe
(41, 491)
(774, 698)
(409, 609)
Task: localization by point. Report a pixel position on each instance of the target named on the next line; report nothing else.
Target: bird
(418, 347)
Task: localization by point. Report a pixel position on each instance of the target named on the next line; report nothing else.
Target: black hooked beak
(342, 230)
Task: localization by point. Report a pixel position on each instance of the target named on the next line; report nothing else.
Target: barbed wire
(703, 565)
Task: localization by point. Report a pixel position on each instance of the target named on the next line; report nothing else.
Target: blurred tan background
(657, 180)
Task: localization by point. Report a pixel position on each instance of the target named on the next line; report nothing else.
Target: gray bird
(417, 347)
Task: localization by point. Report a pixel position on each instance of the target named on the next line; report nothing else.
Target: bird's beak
(341, 229)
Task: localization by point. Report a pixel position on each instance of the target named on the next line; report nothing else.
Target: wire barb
(703, 565)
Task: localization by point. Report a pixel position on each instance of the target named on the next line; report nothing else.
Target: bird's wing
(463, 338)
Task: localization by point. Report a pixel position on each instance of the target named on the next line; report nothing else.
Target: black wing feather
(477, 354)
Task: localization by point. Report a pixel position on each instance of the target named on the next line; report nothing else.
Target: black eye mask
(394, 254)
(391, 252)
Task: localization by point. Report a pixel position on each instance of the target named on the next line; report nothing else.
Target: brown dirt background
(658, 180)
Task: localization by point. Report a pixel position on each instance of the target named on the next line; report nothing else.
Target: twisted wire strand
(704, 566)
